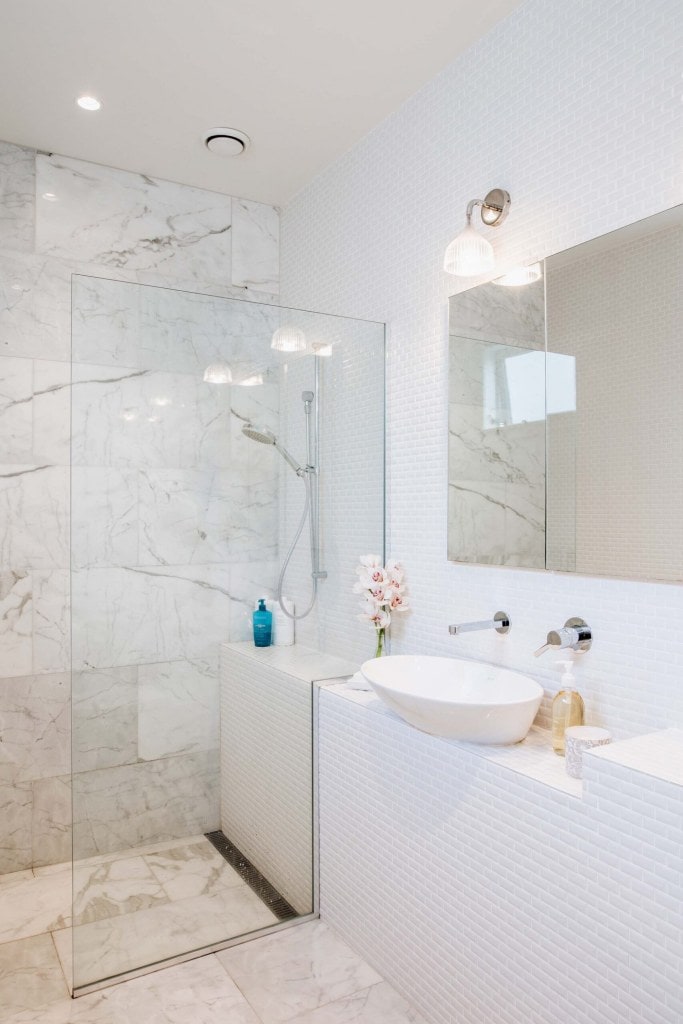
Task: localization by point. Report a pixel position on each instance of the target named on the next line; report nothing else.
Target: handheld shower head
(265, 436)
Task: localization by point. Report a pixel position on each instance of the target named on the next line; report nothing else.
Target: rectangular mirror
(565, 415)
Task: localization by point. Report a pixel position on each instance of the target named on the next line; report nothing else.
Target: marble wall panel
(131, 805)
(35, 307)
(34, 411)
(105, 718)
(178, 708)
(145, 418)
(17, 188)
(34, 726)
(124, 616)
(16, 622)
(34, 529)
(51, 821)
(119, 219)
(255, 246)
(16, 804)
(123, 324)
(51, 622)
(104, 516)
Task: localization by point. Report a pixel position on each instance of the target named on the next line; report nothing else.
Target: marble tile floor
(129, 909)
(305, 974)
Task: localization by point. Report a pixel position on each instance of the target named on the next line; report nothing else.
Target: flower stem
(380, 643)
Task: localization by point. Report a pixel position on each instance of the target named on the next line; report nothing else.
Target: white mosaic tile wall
(60, 216)
(486, 896)
(454, 877)
(576, 109)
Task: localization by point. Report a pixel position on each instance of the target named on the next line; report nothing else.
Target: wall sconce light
(470, 253)
(218, 373)
(322, 348)
(519, 276)
(288, 339)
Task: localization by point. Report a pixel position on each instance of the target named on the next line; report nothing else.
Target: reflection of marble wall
(496, 468)
(137, 229)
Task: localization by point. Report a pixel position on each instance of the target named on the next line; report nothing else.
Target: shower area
(219, 448)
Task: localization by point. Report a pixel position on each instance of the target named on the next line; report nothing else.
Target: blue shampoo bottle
(263, 625)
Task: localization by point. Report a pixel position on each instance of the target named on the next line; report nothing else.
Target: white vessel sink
(458, 699)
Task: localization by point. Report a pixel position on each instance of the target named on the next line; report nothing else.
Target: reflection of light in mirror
(50, 196)
(161, 400)
(152, 419)
(251, 382)
(520, 276)
(129, 415)
(288, 339)
(322, 348)
(218, 373)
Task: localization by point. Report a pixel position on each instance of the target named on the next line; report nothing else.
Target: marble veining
(116, 218)
(35, 307)
(17, 184)
(255, 246)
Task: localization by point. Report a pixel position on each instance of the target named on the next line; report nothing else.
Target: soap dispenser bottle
(568, 707)
(263, 625)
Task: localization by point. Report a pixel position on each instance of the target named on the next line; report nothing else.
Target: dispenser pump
(568, 707)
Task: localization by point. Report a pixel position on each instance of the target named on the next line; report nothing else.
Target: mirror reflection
(565, 419)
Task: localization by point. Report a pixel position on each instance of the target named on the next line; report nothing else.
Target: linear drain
(274, 900)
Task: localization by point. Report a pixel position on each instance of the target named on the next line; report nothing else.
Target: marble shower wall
(161, 572)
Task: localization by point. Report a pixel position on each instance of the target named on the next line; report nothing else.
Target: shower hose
(281, 582)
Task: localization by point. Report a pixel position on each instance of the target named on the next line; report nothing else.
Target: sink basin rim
(535, 689)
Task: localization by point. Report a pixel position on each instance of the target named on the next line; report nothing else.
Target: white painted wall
(576, 109)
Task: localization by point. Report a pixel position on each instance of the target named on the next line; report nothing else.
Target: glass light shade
(251, 382)
(519, 276)
(289, 339)
(322, 348)
(468, 254)
(218, 373)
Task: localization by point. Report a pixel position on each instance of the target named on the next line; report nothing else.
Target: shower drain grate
(274, 900)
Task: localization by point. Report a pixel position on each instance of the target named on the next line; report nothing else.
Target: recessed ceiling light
(226, 141)
(50, 196)
(88, 103)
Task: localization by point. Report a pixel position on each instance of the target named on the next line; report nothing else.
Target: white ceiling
(304, 78)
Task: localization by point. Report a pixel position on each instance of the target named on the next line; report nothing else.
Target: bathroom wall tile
(147, 802)
(123, 324)
(104, 516)
(143, 615)
(104, 718)
(51, 821)
(17, 197)
(35, 726)
(35, 307)
(255, 245)
(16, 800)
(34, 503)
(51, 412)
(30, 976)
(116, 218)
(16, 420)
(34, 411)
(248, 580)
(128, 418)
(287, 975)
(16, 622)
(185, 516)
(51, 622)
(178, 708)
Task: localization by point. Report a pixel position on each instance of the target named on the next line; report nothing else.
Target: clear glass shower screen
(179, 521)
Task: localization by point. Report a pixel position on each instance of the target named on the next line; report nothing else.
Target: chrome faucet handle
(575, 635)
